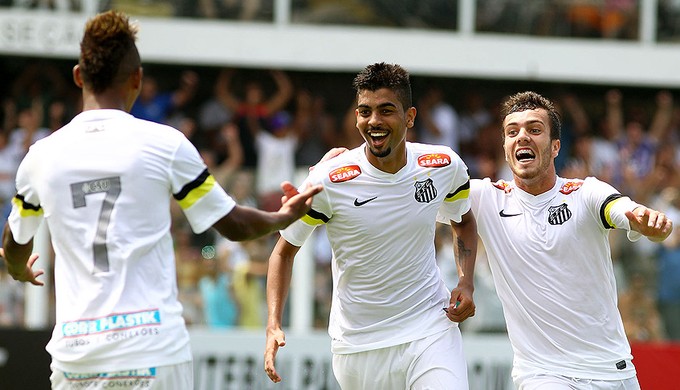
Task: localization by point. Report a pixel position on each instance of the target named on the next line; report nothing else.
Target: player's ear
(77, 77)
(555, 147)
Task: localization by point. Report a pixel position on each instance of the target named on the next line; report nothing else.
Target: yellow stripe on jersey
(26, 209)
(195, 190)
(314, 218)
(463, 192)
(605, 211)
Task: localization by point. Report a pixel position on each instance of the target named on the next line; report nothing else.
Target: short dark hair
(382, 75)
(108, 53)
(530, 100)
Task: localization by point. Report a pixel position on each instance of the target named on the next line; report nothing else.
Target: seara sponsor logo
(503, 185)
(571, 186)
(110, 323)
(434, 160)
(344, 173)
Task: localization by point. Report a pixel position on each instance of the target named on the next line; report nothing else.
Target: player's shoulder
(433, 156)
(590, 184)
(487, 184)
(341, 168)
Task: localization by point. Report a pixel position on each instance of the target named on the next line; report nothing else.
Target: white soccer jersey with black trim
(387, 289)
(103, 184)
(551, 263)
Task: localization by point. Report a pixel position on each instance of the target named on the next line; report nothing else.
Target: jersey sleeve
(457, 201)
(611, 206)
(200, 197)
(27, 213)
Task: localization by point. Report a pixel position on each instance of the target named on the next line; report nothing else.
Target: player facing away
(103, 184)
(393, 323)
(546, 238)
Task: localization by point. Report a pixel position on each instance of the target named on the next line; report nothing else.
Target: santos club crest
(425, 191)
(558, 215)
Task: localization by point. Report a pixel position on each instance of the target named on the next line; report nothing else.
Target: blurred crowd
(608, 19)
(256, 128)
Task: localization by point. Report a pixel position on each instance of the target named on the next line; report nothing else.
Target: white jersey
(551, 264)
(387, 289)
(103, 184)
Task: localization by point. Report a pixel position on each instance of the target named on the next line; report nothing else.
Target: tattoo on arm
(462, 251)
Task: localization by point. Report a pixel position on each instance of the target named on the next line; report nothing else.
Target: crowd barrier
(232, 359)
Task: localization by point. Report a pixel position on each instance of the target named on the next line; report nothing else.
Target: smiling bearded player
(380, 204)
(546, 238)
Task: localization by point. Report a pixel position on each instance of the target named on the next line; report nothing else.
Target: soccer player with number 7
(103, 184)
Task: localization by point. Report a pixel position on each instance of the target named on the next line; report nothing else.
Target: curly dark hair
(530, 100)
(382, 75)
(108, 53)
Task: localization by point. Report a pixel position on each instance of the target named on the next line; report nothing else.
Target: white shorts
(558, 382)
(173, 377)
(433, 363)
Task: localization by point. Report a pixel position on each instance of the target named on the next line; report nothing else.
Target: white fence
(233, 360)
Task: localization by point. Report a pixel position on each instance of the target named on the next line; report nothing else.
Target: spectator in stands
(636, 144)
(155, 105)
(28, 132)
(438, 120)
(104, 184)
(8, 168)
(253, 111)
(220, 309)
(316, 128)
(189, 272)
(668, 268)
(11, 301)
(275, 158)
(474, 117)
(249, 283)
(640, 317)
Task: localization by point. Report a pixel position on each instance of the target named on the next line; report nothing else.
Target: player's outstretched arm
(247, 223)
(278, 283)
(653, 224)
(19, 259)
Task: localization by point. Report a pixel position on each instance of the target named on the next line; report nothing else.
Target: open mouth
(377, 136)
(524, 155)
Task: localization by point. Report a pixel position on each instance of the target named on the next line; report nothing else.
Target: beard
(381, 153)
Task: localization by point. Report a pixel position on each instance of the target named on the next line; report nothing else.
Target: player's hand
(296, 204)
(334, 152)
(650, 223)
(25, 273)
(275, 339)
(461, 305)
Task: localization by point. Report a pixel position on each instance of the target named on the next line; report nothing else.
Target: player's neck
(391, 163)
(538, 185)
(106, 100)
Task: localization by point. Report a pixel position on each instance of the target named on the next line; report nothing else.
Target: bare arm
(462, 305)
(278, 283)
(232, 163)
(19, 259)
(663, 117)
(284, 92)
(187, 88)
(223, 90)
(614, 113)
(246, 223)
